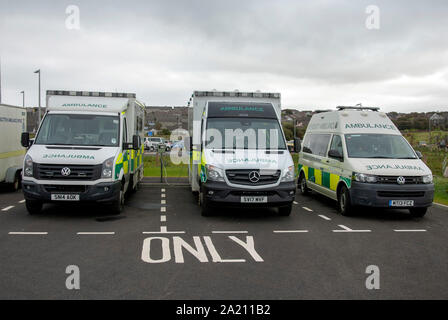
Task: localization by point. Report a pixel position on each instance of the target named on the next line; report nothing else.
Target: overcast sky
(317, 54)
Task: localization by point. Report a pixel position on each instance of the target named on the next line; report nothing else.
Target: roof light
(89, 94)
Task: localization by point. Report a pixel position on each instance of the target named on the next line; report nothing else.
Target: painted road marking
(307, 209)
(229, 231)
(162, 209)
(95, 233)
(163, 230)
(410, 230)
(27, 233)
(324, 217)
(295, 202)
(7, 208)
(162, 218)
(162, 190)
(162, 195)
(22, 201)
(290, 231)
(196, 249)
(162, 201)
(347, 229)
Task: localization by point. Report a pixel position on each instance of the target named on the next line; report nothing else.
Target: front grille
(65, 188)
(253, 193)
(241, 176)
(393, 179)
(400, 194)
(77, 172)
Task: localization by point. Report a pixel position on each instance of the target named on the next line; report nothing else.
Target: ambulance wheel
(344, 202)
(285, 211)
(302, 184)
(16, 183)
(418, 212)
(205, 206)
(33, 206)
(118, 205)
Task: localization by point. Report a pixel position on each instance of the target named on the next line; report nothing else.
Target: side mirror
(297, 145)
(419, 154)
(25, 139)
(135, 142)
(335, 154)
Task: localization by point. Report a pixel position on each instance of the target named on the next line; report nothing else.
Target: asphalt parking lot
(162, 248)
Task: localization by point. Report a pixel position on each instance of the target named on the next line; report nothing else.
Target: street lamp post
(23, 98)
(38, 71)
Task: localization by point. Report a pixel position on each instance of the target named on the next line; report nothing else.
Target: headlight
(288, 174)
(108, 165)
(214, 173)
(361, 177)
(427, 179)
(28, 166)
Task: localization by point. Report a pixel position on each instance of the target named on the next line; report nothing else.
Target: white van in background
(88, 148)
(12, 124)
(239, 155)
(357, 156)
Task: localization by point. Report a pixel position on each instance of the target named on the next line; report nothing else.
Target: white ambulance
(239, 155)
(88, 148)
(357, 156)
(12, 124)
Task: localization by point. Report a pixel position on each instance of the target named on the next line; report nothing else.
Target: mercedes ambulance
(88, 148)
(357, 156)
(239, 155)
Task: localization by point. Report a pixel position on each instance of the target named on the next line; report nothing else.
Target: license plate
(64, 197)
(401, 203)
(254, 199)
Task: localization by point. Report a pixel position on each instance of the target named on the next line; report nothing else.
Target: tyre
(418, 212)
(302, 184)
(285, 211)
(33, 206)
(205, 206)
(16, 183)
(118, 205)
(344, 202)
(167, 149)
(151, 148)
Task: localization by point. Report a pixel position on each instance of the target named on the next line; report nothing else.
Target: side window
(125, 131)
(336, 144)
(316, 144)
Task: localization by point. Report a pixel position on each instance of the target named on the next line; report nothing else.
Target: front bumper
(378, 195)
(219, 193)
(101, 192)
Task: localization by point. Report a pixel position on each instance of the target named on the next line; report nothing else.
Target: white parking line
(22, 201)
(290, 231)
(95, 233)
(163, 230)
(229, 231)
(162, 201)
(324, 217)
(162, 218)
(307, 209)
(347, 229)
(295, 202)
(7, 208)
(410, 230)
(162, 209)
(162, 190)
(162, 195)
(27, 233)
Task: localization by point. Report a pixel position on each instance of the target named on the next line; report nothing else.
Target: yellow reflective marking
(12, 154)
(334, 179)
(119, 158)
(318, 176)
